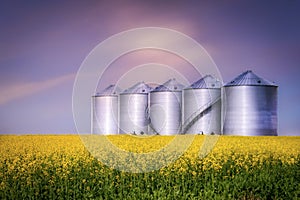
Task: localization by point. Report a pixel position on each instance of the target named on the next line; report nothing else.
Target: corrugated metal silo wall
(133, 113)
(165, 112)
(105, 115)
(250, 110)
(195, 99)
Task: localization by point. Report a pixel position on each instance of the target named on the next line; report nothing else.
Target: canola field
(64, 167)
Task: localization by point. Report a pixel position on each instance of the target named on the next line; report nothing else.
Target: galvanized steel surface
(249, 106)
(249, 78)
(207, 122)
(202, 106)
(165, 113)
(105, 111)
(250, 110)
(207, 82)
(138, 88)
(133, 113)
(169, 86)
(165, 108)
(105, 115)
(133, 109)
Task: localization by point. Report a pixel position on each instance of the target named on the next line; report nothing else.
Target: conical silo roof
(169, 86)
(139, 88)
(207, 82)
(250, 79)
(109, 91)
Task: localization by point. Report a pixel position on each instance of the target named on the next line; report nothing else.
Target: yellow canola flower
(22, 156)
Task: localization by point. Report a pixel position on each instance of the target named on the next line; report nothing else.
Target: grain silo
(165, 108)
(202, 107)
(133, 109)
(105, 111)
(250, 106)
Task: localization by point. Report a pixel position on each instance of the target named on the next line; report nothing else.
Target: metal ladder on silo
(191, 120)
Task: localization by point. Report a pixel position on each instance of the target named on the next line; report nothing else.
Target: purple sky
(43, 43)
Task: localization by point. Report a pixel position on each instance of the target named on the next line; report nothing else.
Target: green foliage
(271, 179)
(60, 167)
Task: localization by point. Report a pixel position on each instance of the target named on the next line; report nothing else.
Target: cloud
(19, 90)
